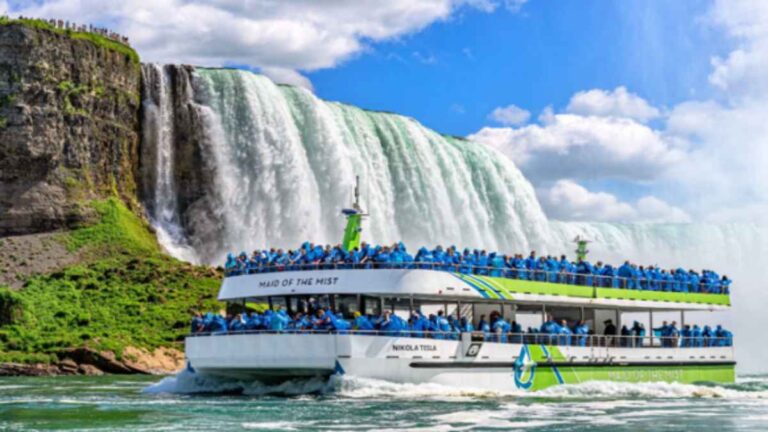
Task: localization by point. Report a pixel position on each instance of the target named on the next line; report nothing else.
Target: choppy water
(143, 403)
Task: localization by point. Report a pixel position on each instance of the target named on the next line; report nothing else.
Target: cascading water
(278, 164)
(158, 140)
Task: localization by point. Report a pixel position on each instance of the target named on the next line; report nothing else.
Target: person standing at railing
(198, 325)
(582, 332)
(697, 335)
(674, 335)
(627, 275)
(638, 331)
(685, 336)
(565, 334)
(500, 327)
(625, 337)
(361, 322)
(610, 333)
(725, 285)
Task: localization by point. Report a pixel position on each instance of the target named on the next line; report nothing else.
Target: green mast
(581, 248)
(352, 233)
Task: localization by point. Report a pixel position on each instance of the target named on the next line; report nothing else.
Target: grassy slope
(126, 293)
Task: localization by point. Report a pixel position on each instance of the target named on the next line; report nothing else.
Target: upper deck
(567, 289)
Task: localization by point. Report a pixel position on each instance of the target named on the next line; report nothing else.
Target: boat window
(298, 304)
(322, 301)
(432, 307)
(372, 305)
(278, 303)
(347, 305)
(401, 306)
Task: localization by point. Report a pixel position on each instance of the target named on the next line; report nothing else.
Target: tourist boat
(471, 359)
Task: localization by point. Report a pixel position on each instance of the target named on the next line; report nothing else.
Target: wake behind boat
(453, 319)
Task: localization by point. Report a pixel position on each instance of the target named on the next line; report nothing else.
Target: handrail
(577, 340)
(534, 275)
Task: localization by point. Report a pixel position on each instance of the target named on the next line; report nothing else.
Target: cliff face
(69, 122)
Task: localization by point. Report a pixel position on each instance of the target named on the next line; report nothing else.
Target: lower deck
(467, 362)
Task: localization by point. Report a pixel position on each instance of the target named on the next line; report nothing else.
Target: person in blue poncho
(382, 258)
(516, 332)
(361, 323)
(418, 324)
(465, 325)
(497, 265)
(279, 320)
(582, 333)
(627, 275)
(708, 336)
(500, 327)
(663, 334)
(218, 324)
(389, 326)
(198, 324)
(236, 324)
(697, 336)
(549, 329)
(230, 265)
(725, 285)
(685, 336)
(481, 264)
(584, 271)
(443, 326)
(321, 321)
(564, 333)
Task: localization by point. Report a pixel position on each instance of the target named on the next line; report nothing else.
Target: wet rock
(18, 369)
(90, 370)
(69, 121)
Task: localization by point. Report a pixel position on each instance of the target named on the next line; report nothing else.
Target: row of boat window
(479, 262)
(310, 314)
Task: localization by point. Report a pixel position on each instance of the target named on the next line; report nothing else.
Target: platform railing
(575, 340)
(559, 277)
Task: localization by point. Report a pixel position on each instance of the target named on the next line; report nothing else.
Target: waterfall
(285, 163)
(232, 162)
(158, 159)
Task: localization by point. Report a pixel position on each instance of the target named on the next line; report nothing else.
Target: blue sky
(451, 75)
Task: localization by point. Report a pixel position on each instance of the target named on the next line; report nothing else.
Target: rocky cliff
(69, 122)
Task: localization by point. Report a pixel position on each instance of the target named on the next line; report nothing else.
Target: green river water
(166, 404)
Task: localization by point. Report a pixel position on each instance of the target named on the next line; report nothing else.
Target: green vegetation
(94, 38)
(125, 293)
(68, 90)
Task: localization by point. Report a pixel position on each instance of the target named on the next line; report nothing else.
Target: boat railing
(576, 340)
(534, 275)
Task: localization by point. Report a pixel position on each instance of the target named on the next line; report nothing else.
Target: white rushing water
(284, 163)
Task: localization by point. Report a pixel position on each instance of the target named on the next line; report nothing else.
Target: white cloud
(271, 35)
(287, 76)
(742, 73)
(514, 6)
(510, 115)
(616, 103)
(709, 156)
(575, 146)
(428, 59)
(568, 200)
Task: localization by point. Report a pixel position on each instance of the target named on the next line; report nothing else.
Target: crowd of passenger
(441, 326)
(480, 262)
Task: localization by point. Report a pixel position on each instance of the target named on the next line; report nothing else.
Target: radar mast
(355, 214)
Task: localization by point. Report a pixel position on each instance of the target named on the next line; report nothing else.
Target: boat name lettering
(301, 282)
(413, 347)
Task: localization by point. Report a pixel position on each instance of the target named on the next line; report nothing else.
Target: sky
(626, 111)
